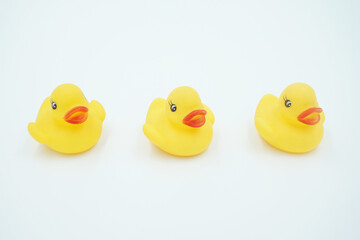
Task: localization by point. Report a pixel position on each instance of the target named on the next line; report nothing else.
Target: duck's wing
(153, 119)
(210, 115)
(265, 128)
(265, 116)
(155, 110)
(98, 109)
(37, 133)
(266, 106)
(153, 135)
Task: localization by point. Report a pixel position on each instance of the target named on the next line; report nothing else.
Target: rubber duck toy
(292, 123)
(180, 125)
(67, 122)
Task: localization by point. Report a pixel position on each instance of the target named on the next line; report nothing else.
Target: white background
(126, 53)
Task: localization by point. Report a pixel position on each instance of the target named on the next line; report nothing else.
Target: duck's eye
(173, 107)
(287, 103)
(53, 105)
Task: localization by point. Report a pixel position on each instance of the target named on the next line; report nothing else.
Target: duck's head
(184, 108)
(298, 104)
(68, 104)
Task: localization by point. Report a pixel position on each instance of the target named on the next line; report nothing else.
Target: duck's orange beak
(310, 116)
(195, 119)
(77, 115)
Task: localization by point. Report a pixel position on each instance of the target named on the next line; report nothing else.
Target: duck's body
(63, 136)
(183, 141)
(284, 133)
(174, 138)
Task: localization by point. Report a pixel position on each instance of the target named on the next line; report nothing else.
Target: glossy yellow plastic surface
(67, 122)
(292, 123)
(180, 125)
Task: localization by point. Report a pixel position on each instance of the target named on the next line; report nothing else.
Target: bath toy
(180, 125)
(67, 122)
(292, 123)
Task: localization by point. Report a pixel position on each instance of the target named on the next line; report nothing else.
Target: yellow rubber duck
(180, 125)
(67, 122)
(292, 123)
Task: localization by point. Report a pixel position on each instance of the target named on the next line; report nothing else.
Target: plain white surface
(126, 53)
